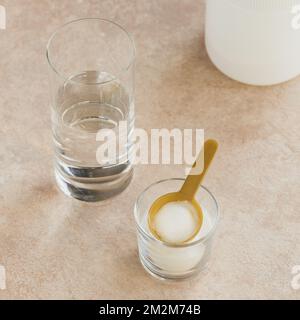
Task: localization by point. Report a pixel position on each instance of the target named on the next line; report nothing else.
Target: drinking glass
(174, 261)
(91, 63)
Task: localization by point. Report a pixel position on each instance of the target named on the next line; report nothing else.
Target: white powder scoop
(176, 221)
(177, 216)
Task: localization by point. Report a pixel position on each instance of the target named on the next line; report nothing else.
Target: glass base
(93, 184)
(168, 277)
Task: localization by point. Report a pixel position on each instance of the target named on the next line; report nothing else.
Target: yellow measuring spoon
(187, 191)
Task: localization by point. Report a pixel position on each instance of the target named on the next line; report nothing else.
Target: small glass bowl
(174, 261)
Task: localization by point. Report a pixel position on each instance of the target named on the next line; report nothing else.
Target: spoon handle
(194, 179)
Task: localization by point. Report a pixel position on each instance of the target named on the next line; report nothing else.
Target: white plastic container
(254, 41)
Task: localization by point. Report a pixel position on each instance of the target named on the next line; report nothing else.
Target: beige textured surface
(53, 247)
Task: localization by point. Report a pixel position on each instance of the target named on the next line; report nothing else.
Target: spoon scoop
(187, 192)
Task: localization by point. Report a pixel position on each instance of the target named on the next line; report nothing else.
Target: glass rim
(183, 245)
(115, 77)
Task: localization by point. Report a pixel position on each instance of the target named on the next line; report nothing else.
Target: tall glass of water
(91, 63)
